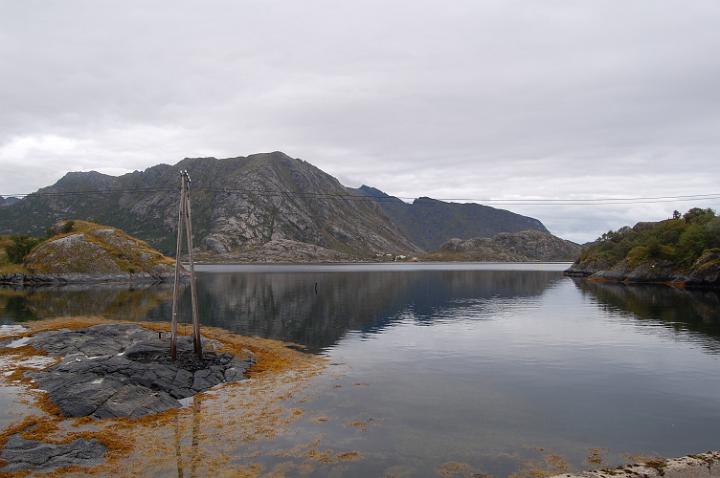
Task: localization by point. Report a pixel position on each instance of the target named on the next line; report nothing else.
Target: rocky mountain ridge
(238, 204)
(262, 207)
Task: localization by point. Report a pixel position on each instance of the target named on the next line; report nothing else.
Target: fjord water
(490, 368)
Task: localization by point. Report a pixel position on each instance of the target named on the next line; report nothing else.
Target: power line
(360, 197)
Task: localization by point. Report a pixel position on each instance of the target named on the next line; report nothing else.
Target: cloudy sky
(478, 99)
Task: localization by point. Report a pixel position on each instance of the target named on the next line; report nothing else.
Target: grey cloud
(502, 99)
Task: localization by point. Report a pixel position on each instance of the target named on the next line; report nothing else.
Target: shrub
(712, 229)
(20, 247)
(698, 215)
(67, 227)
(692, 243)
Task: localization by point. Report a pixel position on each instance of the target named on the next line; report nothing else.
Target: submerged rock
(124, 370)
(20, 454)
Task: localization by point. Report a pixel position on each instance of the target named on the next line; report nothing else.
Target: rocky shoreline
(125, 370)
(705, 273)
(702, 465)
(25, 279)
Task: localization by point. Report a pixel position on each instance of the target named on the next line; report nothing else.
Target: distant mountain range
(247, 203)
(430, 223)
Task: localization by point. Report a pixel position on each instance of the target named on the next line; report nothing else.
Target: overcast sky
(449, 99)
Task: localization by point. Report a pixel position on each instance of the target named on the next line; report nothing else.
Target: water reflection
(682, 310)
(288, 306)
(316, 308)
(112, 302)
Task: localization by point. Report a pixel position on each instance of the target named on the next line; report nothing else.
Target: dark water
(494, 366)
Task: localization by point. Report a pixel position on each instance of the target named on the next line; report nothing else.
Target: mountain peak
(85, 180)
(370, 191)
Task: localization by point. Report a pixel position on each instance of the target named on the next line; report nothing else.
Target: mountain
(525, 246)
(238, 204)
(684, 251)
(430, 223)
(7, 201)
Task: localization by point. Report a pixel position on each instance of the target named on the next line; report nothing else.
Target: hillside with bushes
(683, 250)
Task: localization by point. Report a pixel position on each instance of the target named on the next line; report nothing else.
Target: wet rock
(701, 465)
(135, 401)
(20, 454)
(124, 370)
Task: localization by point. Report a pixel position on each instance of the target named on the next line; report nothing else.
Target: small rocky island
(110, 371)
(125, 370)
(682, 251)
(81, 252)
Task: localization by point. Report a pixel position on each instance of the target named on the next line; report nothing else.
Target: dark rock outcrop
(124, 370)
(20, 454)
(705, 272)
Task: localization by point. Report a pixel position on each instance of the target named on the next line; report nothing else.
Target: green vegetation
(19, 247)
(94, 249)
(5, 264)
(14, 249)
(680, 240)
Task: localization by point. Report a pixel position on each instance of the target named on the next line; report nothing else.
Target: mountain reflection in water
(287, 305)
(682, 310)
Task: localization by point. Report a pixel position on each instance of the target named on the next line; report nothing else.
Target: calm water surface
(497, 367)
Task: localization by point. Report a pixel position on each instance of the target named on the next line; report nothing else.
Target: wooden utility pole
(185, 215)
(176, 284)
(197, 344)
